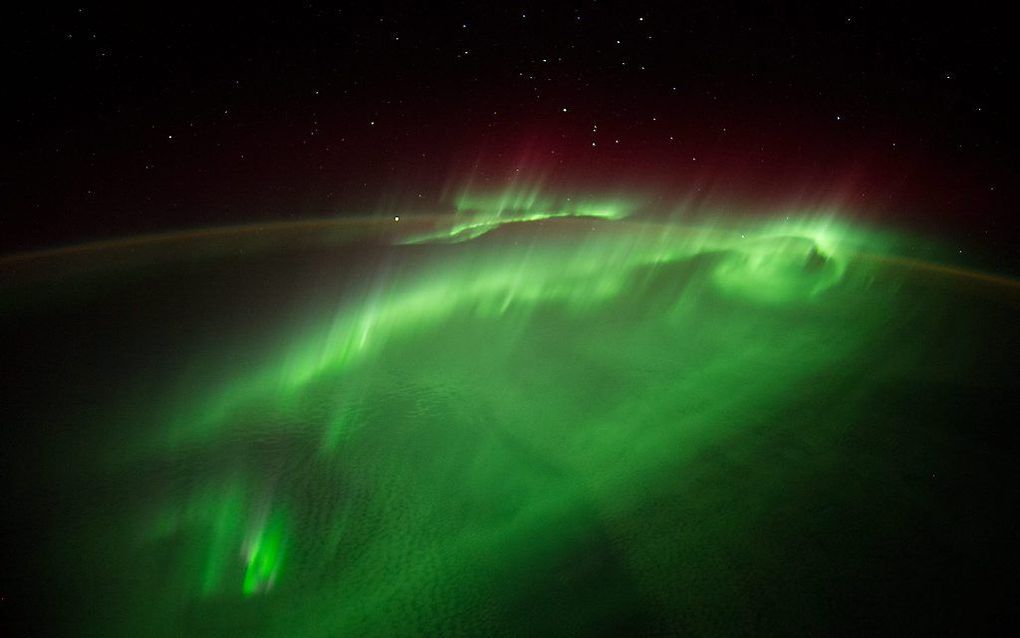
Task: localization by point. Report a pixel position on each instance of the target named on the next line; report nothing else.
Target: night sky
(127, 121)
(707, 323)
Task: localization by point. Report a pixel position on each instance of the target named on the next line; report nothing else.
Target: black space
(130, 120)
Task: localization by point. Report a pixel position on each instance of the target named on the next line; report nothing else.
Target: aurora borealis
(590, 419)
(590, 318)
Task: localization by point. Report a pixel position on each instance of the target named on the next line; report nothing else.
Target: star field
(126, 121)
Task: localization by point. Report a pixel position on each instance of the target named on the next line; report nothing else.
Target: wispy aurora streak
(477, 215)
(764, 262)
(478, 413)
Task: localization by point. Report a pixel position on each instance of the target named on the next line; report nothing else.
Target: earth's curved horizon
(510, 424)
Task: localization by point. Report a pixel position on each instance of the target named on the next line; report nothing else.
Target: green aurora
(537, 418)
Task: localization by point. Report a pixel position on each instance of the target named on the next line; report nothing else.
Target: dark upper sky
(147, 119)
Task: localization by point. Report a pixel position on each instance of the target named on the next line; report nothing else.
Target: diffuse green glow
(447, 443)
(784, 262)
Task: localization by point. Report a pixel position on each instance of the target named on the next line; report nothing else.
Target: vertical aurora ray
(263, 553)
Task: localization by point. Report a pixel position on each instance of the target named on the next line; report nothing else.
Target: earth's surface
(561, 427)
